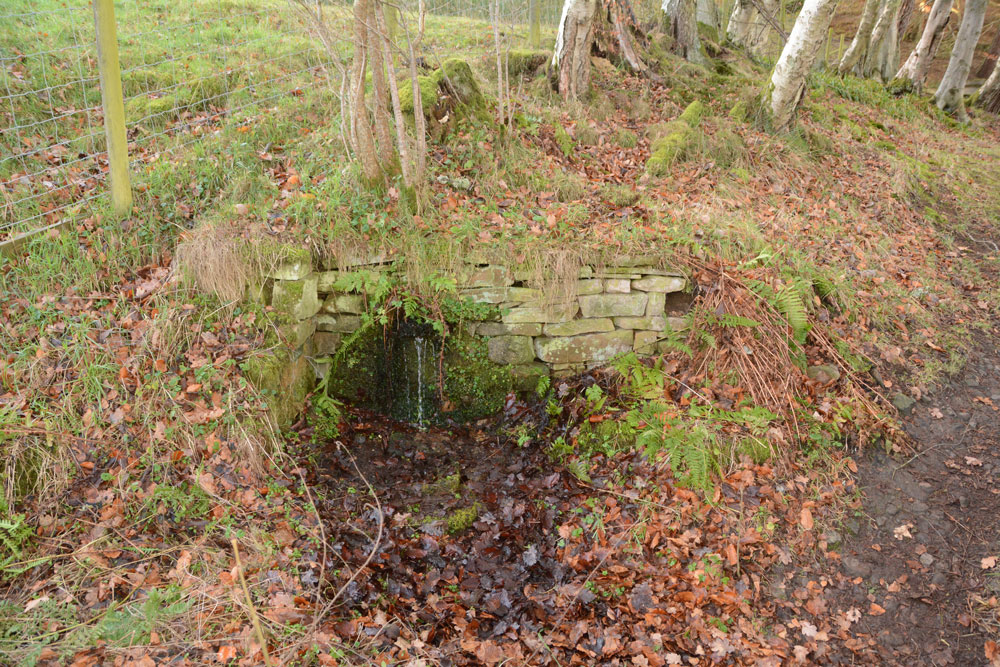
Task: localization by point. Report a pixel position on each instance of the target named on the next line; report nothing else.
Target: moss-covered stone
(511, 349)
(693, 114)
(474, 385)
(296, 298)
(285, 378)
(455, 77)
(522, 61)
(526, 376)
(428, 94)
(588, 347)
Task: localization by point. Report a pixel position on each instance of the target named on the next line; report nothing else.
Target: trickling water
(419, 341)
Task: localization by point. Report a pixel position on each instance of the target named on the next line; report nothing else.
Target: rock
(823, 374)
(577, 327)
(855, 568)
(662, 284)
(297, 298)
(656, 304)
(589, 287)
(490, 276)
(515, 329)
(613, 305)
(926, 559)
(511, 349)
(341, 323)
(833, 539)
(557, 313)
(297, 333)
(296, 266)
(645, 342)
(326, 342)
(588, 347)
(526, 376)
(643, 323)
(677, 323)
(345, 303)
(326, 280)
(903, 403)
(618, 286)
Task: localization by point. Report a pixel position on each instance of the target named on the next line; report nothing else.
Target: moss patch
(520, 61)
(674, 139)
(474, 386)
(564, 141)
(462, 519)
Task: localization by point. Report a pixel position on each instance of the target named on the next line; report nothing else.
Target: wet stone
(511, 349)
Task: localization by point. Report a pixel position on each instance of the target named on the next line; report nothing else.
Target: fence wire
(185, 66)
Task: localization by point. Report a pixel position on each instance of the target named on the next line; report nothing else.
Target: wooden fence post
(114, 105)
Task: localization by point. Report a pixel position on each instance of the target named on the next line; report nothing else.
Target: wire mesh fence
(185, 68)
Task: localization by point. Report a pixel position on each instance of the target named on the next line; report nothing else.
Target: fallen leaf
(806, 519)
(988, 563)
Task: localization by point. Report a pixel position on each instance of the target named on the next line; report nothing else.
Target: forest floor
(716, 505)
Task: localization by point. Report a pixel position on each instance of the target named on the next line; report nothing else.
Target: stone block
(587, 347)
(345, 303)
(338, 323)
(645, 342)
(642, 323)
(565, 370)
(584, 287)
(659, 284)
(260, 292)
(513, 329)
(586, 272)
(326, 342)
(490, 276)
(556, 313)
(296, 298)
(295, 334)
(613, 305)
(656, 305)
(511, 349)
(577, 327)
(325, 281)
(526, 376)
(677, 323)
(618, 285)
(296, 266)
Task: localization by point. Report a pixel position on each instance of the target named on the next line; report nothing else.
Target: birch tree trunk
(788, 81)
(571, 57)
(749, 29)
(919, 61)
(989, 95)
(950, 93)
(681, 20)
(859, 45)
(876, 53)
(708, 13)
(992, 55)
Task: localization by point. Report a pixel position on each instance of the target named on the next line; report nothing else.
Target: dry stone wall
(613, 310)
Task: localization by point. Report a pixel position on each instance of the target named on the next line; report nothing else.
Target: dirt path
(930, 518)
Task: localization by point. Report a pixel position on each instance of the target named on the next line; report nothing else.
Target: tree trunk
(361, 127)
(571, 58)
(950, 93)
(992, 55)
(750, 29)
(788, 81)
(859, 45)
(989, 95)
(877, 53)
(380, 90)
(681, 21)
(915, 68)
(708, 13)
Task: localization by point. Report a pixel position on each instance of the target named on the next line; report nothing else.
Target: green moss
(708, 32)
(626, 138)
(564, 141)
(620, 195)
(455, 75)
(668, 149)
(693, 114)
(474, 386)
(462, 519)
(284, 378)
(521, 61)
(428, 93)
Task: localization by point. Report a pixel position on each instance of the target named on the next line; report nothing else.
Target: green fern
(732, 321)
(15, 537)
(690, 450)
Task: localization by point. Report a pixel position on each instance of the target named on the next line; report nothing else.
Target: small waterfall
(419, 341)
(411, 373)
